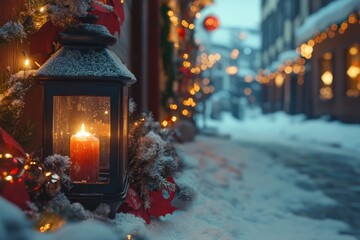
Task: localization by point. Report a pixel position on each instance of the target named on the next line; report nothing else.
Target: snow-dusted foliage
(12, 93)
(60, 165)
(61, 205)
(152, 156)
(66, 12)
(11, 31)
(105, 6)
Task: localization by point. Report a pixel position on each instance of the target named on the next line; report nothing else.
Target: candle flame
(82, 132)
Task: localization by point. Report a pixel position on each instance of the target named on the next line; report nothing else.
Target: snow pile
(335, 12)
(243, 195)
(284, 128)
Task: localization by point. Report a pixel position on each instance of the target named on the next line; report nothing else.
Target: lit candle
(84, 155)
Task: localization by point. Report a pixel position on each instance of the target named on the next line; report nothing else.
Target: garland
(61, 13)
(12, 93)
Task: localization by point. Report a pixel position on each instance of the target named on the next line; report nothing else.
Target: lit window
(326, 77)
(353, 71)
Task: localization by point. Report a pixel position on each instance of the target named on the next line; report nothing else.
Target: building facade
(310, 58)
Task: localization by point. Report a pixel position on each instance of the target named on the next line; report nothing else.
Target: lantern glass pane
(81, 130)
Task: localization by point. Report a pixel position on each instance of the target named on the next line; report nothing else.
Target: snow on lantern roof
(85, 56)
(334, 12)
(78, 63)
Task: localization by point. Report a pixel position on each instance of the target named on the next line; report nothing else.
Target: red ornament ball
(211, 23)
(34, 175)
(181, 32)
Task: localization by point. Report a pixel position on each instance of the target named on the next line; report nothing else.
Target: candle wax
(84, 155)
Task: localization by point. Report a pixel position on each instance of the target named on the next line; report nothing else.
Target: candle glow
(84, 155)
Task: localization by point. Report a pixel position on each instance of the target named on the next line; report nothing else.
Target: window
(326, 77)
(353, 70)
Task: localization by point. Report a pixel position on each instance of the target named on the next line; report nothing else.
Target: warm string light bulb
(27, 62)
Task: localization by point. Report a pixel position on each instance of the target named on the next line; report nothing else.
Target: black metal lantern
(86, 114)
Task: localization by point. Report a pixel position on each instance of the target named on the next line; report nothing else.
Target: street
(336, 174)
(285, 191)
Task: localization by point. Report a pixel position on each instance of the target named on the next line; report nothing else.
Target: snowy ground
(243, 192)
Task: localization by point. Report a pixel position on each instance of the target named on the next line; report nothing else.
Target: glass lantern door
(81, 130)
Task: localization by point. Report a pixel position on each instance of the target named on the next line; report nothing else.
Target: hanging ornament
(53, 184)
(34, 175)
(181, 32)
(211, 23)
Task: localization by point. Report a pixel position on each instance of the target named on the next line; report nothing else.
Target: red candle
(84, 155)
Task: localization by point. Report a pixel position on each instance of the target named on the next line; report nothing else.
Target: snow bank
(335, 12)
(285, 128)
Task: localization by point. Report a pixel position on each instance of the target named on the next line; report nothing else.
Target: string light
(164, 123)
(185, 112)
(173, 106)
(307, 48)
(173, 118)
(45, 228)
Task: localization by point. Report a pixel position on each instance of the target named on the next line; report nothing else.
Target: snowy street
(333, 172)
(271, 191)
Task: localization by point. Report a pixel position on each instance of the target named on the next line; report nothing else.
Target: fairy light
(196, 87)
(185, 112)
(164, 123)
(45, 227)
(8, 155)
(330, 32)
(27, 62)
(206, 81)
(42, 9)
(247, 91)
(185, 23)
(173, 106)
(8, 178)
(170, 13)
(173, 118)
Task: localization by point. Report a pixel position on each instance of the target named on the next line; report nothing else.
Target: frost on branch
(60, 165)
(152, 156)
(11, 31)
(12, 92)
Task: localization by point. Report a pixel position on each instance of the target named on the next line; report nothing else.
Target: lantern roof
(85, 56)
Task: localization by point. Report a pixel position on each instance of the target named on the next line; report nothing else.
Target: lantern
(211, 23)
(85, 87)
